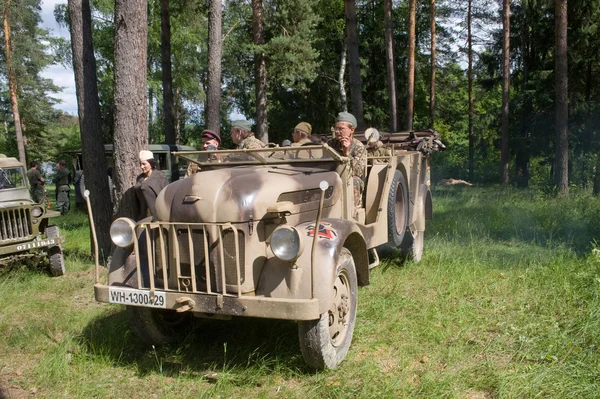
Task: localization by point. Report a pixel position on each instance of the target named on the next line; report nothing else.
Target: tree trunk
(562, 111)
(355, 79)
(391, 75)
(410, 89)
(167, 76)
(213, 95)
(260, 67)
(433, 65)
(12, 83)
(470, 89)
(131, 128)
(505, 91)
(90, 121)
(343, 97)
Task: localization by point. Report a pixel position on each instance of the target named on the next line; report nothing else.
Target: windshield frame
(259, 158)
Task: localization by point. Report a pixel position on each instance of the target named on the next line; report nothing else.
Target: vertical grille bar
(207, 261)
(4, 229)
(150, 251)
(192, 260)
(222, 262)
(163, 258)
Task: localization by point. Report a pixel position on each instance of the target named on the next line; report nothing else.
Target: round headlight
(286, 243)
(37, 211)
(122, 232)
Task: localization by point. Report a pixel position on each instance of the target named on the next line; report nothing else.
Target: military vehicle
(271, 233)
(24, 229)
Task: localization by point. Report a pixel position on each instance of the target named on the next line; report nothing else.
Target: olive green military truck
(24, 229)
(271, 233)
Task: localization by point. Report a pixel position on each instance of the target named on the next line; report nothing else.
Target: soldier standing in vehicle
(36, 182)
(210, 142)
(345, 144)
(302, 134)
(62, 179)
(242, 136)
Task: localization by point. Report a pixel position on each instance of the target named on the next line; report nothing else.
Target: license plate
(36, 244)
(131, 296)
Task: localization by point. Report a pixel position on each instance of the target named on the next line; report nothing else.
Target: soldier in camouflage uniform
(62, 179)
(242, 136)
(345, 143)
(36, 183)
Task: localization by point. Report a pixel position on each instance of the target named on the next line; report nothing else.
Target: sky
(62, 77)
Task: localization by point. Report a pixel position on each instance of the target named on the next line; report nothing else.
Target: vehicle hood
(240, 194)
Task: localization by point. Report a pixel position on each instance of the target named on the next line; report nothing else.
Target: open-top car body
(271, 233)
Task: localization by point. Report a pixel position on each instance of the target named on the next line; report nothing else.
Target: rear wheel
(157, 326)
(397, 211)
(325, 342)
(55, 254)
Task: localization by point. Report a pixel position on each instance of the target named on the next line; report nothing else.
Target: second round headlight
(286, 243)
(122, 232)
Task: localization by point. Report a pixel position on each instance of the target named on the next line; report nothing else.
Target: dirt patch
(473, 394)
(10, 389)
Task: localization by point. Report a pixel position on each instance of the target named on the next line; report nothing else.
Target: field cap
(304, 127)
(211, 135)
(242, 124)
(146, 155)
(346, 117)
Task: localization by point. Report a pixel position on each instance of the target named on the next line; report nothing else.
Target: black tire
(325, 342)
(157, 326)
(397, 218)
(55, 254)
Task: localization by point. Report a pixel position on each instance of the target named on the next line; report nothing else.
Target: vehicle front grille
(15, 224)
(207, 258)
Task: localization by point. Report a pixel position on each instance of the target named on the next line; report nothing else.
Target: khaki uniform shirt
(357, 155)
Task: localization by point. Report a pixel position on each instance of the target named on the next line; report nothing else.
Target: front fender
(280, 279)
(122, 268)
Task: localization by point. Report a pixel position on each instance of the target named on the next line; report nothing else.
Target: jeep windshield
(12, 177)
(262, 156)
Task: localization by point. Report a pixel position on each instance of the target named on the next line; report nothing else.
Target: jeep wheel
(55, 254)
(157, 326)
(325, 342)
(397, 214)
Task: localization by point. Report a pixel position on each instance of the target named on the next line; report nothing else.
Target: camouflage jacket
(377, 149)
(251, 143)
(358, 155)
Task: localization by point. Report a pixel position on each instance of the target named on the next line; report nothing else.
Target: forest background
(308, 67)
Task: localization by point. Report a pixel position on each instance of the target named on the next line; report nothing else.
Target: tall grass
(504, 304)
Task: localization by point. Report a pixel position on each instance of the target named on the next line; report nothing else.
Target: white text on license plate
(130, 296)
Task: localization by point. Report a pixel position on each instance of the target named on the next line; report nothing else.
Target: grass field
(504, 304)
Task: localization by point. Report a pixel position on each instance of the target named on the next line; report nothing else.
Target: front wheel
(55, 254)
(157, 326)
(325, 342)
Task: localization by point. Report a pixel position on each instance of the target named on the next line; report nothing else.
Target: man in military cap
(242, 136)
(211, 141)
(62, 179)
(345, 144)
(301, 134)
(36, 183)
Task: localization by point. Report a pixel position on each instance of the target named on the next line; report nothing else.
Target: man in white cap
(148, 184)
(345, 144)
(242, 136)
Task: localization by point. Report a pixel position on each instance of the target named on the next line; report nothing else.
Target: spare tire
(397, 214)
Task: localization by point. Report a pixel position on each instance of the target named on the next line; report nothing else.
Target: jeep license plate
(130, 296)
(36, 244)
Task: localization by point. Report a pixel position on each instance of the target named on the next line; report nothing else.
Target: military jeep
(24, 229)
(270, 233)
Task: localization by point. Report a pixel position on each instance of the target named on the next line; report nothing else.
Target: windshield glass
(12, 177)
(264, 156)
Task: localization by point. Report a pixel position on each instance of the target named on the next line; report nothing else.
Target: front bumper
(232, 305)
(30, 245)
